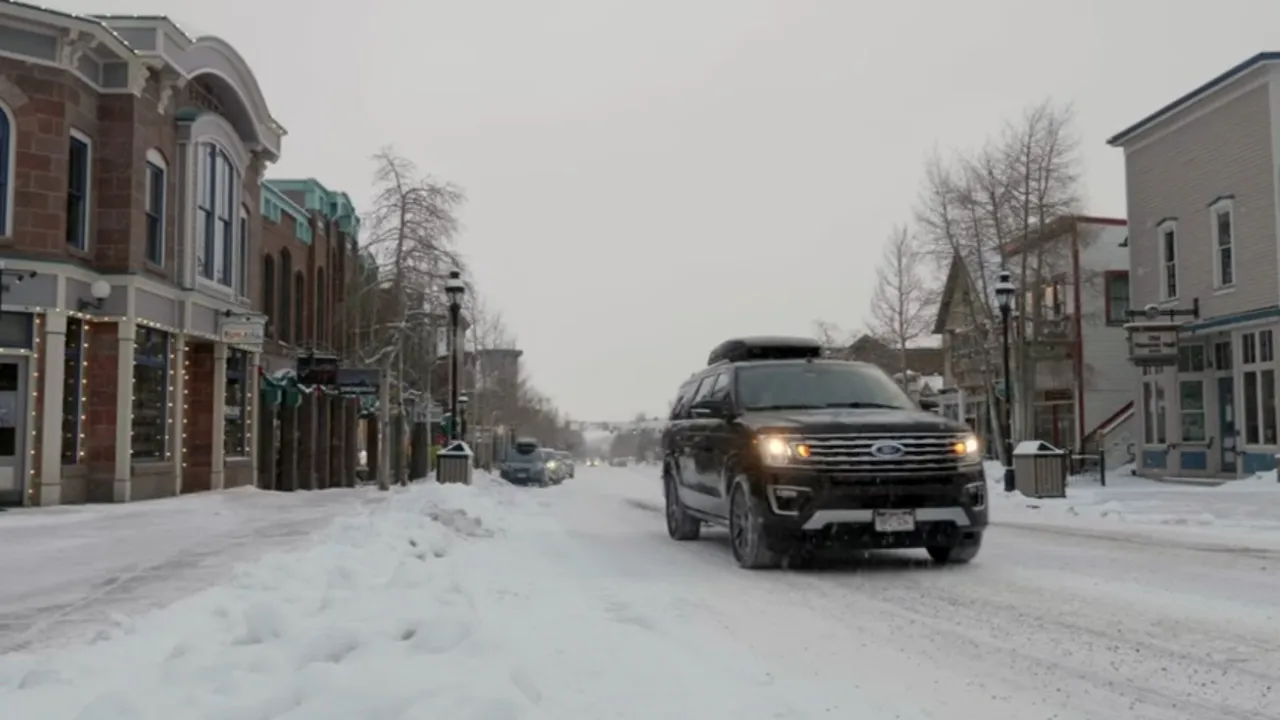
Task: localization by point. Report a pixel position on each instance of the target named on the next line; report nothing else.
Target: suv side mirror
(708, 408)
(929, 404)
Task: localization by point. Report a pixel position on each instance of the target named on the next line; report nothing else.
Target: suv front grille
(932, 453)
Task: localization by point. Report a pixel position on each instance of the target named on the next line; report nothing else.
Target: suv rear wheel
(746, 533)
(680, 524)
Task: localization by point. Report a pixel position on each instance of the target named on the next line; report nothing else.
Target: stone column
(218, 454)
(122, 485)
(288, 479)
(178, 441)
(324, 441)
(307, 442)
(55, 346)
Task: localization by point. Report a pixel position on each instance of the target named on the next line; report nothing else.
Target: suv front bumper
(872, 513)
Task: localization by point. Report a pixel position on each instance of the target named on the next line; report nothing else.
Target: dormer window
(218, 252)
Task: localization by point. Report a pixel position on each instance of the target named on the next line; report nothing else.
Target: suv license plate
(894, 521)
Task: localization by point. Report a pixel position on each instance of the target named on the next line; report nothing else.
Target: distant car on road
(794, 453)
(526, 464)
(617, 462)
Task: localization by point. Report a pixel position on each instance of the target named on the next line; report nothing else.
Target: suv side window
(704, 388)
(680, 408)
(720, 391)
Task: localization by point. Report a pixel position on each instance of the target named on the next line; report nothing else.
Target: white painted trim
(1214, 211)
(10, 170)
(243, 254)
(154, 157)
(88, 187)
(1161, 229)
(1220, 97)
(214, 130)
(93, 84)
(1275, 162)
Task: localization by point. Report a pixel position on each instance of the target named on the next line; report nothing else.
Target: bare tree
(903, 305)
(835, 339)
(408, 251)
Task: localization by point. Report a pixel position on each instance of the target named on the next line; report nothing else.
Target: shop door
(13, 430)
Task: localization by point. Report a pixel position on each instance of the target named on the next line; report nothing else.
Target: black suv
(796, 453)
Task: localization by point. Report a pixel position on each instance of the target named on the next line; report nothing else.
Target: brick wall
(102, 390)
(47, 104)
(200, 423)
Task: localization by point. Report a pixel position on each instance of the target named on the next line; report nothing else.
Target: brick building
(308, 254)
(131, 157)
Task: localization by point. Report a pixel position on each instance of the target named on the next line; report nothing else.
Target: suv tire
(955, 554)
(680, 524)
(746, 534)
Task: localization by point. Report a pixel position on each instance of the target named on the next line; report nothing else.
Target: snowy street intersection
(1138, 601)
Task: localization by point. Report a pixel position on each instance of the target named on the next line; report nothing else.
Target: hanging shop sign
(359, 381)
(318, 369)
(244, 330)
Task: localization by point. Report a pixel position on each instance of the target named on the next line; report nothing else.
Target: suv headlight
(775, 450)
(969, 447)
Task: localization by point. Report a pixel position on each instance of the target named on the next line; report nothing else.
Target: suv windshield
(779, 386)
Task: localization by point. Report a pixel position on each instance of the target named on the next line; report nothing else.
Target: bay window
(236, 412)
(1153, 407)
(150, 394)
(218, 208)
(1257, 358)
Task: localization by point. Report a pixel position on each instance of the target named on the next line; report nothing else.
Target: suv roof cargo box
(765, 348)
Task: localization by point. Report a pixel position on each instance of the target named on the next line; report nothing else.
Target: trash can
(1040, 469)
(453, 464)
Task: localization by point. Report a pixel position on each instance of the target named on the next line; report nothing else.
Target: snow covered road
(70, 569)
(503, 603)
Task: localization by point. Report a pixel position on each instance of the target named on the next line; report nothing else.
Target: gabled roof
(955, 275)
(1217, 83)
(1060, 227)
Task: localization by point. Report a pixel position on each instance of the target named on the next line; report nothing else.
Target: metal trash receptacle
(1040, 470)
(453, 464)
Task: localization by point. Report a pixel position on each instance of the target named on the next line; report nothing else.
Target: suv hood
(849, 420)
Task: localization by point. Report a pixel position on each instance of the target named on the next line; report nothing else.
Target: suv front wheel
(746, 532)
(680, 524)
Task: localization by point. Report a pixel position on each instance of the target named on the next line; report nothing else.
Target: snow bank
(1241, 512)
(441, 602)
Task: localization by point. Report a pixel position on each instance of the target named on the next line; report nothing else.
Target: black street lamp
(455, 289)
(1004, 297)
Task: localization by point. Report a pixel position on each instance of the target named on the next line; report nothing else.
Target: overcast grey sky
(648, 177)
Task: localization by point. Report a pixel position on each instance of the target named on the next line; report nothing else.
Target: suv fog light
(977, 494)
(786, 499)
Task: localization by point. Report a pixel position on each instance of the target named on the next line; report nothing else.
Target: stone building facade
(308, 259)
(131, 157)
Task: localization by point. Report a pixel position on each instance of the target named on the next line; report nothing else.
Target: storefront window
(150, 394)
(236, 412)
(72, 388)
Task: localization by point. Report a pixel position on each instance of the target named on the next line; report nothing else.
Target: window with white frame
(1168, 234)
(217, 203)
(7, 131)
(242, 253)
(1222, 230)
(1153, 407)
(1258, 386)
(79, 183)
(157, 174)
(1192, 360)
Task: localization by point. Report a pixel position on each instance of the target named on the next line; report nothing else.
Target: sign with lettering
(244, 330)
(359, 381)
(1153, 344)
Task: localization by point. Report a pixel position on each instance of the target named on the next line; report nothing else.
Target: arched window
(286, 298)
(269, 293)
(7, 130)
(300, 307)
(321, 335)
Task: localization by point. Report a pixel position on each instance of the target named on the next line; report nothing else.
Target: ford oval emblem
(888, 450)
